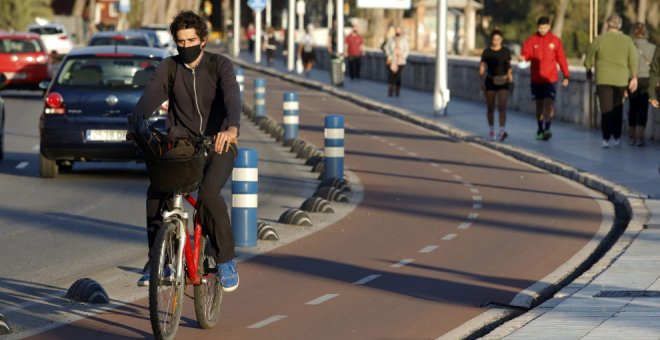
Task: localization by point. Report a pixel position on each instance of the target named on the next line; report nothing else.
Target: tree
(16, 15)
(559, 18)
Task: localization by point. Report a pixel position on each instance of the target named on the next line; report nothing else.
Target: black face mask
(189, 54)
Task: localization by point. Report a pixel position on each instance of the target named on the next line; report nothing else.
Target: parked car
(164, 36)
(153, 37)
(3, 79)
(23, 60)
(87, 103)
(132, 38)
(54, 36)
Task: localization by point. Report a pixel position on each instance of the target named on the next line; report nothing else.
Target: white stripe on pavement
(449, 237)
(445, 170)
(473, 216)
(267, 321)
(476, 198)
(22, 165)
(322, 299)
(428, 249)
(465, 225)
(476, 206)
(474, 191)
(457, 177)
(402, 263)
(366, 279)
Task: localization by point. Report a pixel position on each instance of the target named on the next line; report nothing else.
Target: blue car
(87, 103)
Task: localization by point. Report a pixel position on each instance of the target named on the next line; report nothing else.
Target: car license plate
(106, 135)
(16, 75)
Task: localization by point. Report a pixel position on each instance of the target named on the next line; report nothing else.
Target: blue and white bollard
(334, 147)
(240, 79)
(290, 117)
(260, 97)
(244, 185)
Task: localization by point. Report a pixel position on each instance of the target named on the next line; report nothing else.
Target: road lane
(491, 226)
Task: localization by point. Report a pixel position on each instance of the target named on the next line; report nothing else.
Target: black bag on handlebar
(179, 170)
(151, 141)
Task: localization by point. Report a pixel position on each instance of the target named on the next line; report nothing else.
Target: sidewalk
(619, 297)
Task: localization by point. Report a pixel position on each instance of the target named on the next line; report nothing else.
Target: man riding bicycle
(204, 101)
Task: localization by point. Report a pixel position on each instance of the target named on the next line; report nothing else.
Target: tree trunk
(559, 18)
(641, 11)
(609, 9)
(149, 15)
(653, 17)
(377, 26)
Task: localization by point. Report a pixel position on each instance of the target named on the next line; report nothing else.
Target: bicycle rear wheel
(165, 290)
(208, 295)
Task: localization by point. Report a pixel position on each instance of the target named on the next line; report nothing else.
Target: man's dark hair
(188, 19)
(543, 21)
(496, 32)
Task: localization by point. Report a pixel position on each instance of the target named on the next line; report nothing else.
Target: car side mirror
(44, 84)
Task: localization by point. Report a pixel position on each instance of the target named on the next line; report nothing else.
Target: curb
(585, 269)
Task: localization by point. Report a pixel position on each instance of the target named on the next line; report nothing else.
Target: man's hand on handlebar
(224, 138)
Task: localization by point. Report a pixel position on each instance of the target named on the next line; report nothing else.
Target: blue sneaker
(228, 276)
(168, 276)
(144, 280)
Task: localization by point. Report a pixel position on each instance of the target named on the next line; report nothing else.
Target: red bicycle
(174, 262)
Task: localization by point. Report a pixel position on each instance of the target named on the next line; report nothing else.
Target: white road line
(428, 249)
(473, 216)
(476, 206)
(476, 198)
(449, 237)
(373, 137)
(322, 299)
(474, 190)
(445, 170)
(465, 225)
(457, 177)
(402, 263)
(22, 165)
(367, 279)
(400, 148)
(435, 165)
(412, 154)
(36, 147)
(267, 321)
(468, 184)
(391, 144)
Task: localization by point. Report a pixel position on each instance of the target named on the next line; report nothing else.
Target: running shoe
(547, 134)
(539, 135)
(616, 142)
(502, 136)
(144, 280)
(491, 136)
(606, 144)
(228, 276)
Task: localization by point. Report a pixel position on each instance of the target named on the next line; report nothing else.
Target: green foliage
(18, 14)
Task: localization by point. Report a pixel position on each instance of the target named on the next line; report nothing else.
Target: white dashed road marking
(473, 216)
(322, 299)
(449, 237)
(400, 148)
(465, 225)
(402, 263)
(476, 198)
(412, 154)
(457, 177)
(367, 279)
(391, 144)
(22, 165)
(428, 249)
(474, 191)
(476, 206)
(267, 321)
(445, 170)
(435, 165)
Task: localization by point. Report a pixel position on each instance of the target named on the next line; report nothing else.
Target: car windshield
(46, 30)
(110, 71)
(114, 41)
(19, 46)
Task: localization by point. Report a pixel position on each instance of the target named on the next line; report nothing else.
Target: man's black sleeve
(155, 93)
(231, 91)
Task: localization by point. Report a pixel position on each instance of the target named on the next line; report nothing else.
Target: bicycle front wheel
(165, 289)
(208, 295)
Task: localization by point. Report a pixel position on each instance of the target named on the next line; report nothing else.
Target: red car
(23, 60)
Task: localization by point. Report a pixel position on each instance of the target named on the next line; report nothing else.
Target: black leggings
(212, 207)
(639, 104)
(395, 77)
(611, 110)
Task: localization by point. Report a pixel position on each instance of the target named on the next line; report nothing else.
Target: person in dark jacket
(204, 100)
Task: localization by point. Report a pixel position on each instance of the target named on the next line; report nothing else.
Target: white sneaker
(606, 144)
(616, 142)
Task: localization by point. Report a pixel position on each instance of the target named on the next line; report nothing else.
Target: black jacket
(198, 104)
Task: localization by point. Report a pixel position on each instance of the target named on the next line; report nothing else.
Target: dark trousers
(611, 110)
(394, 78)
(639, 104)
(354, 67)
(212, 208)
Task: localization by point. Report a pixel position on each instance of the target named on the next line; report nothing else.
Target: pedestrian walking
(639, 100)
(654, 79)
(396, 51)
(354, 52)
(251, 35)
(614, 57)
(545, 51)
(496, 80)
(270, 45)
(332, 39)
(306, 50)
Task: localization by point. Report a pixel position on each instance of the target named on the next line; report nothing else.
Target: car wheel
(64, 166)
(47, 167)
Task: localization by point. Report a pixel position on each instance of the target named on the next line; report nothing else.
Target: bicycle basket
(179, 170)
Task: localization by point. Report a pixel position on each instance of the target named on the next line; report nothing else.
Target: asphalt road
(444, 228)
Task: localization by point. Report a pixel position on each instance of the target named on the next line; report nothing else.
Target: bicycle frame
(191, 253)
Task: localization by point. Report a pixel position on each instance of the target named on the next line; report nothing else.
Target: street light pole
(268, 13)
(257, 42)
(340, 27)
(237, 26)
(292, 26)
(441, 92)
